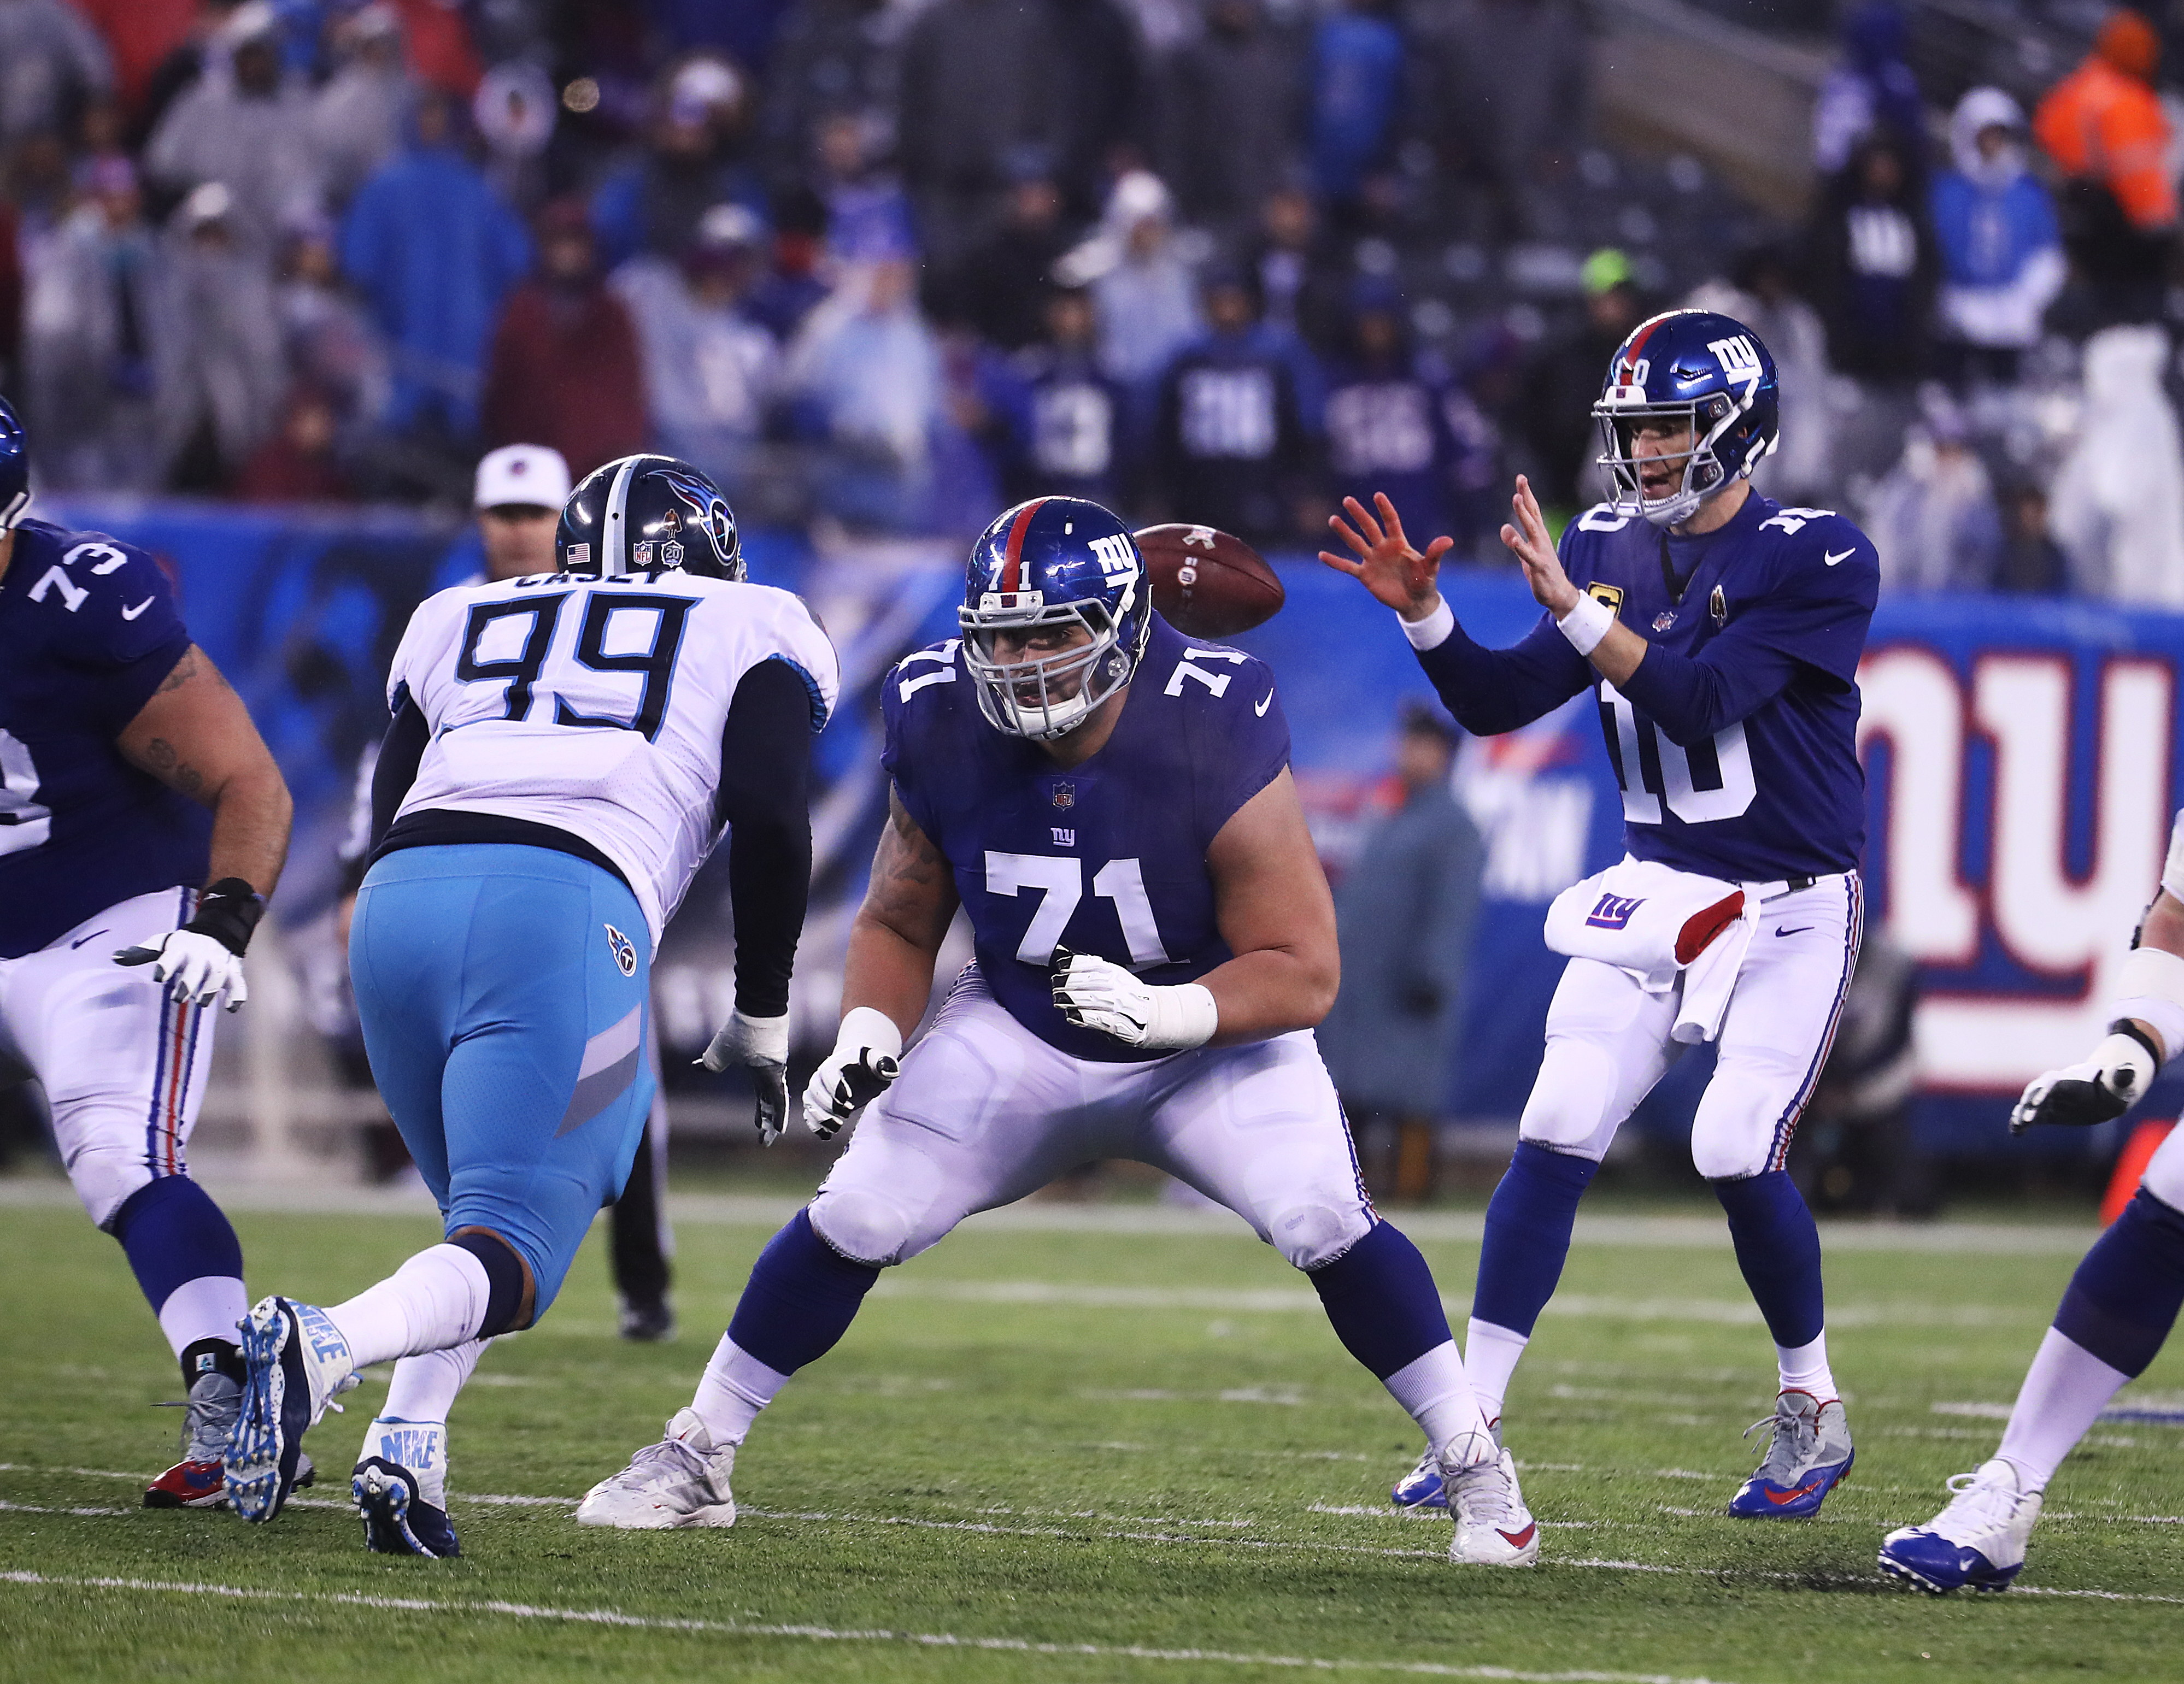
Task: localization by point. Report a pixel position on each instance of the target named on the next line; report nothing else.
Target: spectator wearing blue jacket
(1387, 415)
(435, 253)
(2002, 254)
(1355, 91)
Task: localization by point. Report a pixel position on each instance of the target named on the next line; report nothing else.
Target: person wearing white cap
(518, 497)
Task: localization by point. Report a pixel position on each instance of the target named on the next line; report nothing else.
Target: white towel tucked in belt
(1659, 924)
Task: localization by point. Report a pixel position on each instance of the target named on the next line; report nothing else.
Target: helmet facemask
(1044, 696)
(1706, 420)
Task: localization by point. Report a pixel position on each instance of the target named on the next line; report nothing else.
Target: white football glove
(2098, 1091)
(1097, 993)
(194, 966)
(863, 1065)
(761, 1045)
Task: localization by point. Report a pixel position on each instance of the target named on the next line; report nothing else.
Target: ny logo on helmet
(1737, 357)
(1116, 557)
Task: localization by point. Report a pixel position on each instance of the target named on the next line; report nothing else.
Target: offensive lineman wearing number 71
(1722, 634)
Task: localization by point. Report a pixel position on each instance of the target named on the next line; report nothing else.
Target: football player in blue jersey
(139, 811)
(1111, 803)
(1722, 634)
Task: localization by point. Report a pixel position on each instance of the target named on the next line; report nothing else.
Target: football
(1207, 584)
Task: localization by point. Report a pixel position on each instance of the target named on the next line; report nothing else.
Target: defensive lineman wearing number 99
(1111, 803)
(1722, 634)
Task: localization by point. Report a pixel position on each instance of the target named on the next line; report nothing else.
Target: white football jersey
(596, 706)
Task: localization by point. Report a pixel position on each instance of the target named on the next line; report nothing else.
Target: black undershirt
(764, 796)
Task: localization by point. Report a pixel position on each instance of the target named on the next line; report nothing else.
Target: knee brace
(1570, 1100)
(863, 1226)
(1743, 1124)
(1310, 1236)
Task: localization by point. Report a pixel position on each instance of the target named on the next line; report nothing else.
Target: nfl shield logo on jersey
(1065, 795)
(624, 950)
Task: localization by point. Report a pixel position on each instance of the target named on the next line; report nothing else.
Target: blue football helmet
(644, 511)
(1042, 571)
(15, 467)
(1688, 369)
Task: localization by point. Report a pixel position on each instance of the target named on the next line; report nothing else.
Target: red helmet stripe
(1637, 349)
(1012, 561)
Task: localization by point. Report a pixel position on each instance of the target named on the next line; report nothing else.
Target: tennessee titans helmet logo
(1701, 388)
(646, 512)
(1056, 609)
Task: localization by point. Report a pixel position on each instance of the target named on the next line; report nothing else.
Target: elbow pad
(2151, 990)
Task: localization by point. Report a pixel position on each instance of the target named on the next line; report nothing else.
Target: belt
(1775, 891)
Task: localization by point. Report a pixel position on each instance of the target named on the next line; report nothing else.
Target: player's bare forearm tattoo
(185, 669)
(160, 759)
(913, 893)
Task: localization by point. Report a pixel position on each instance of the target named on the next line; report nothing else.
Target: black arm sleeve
(765, 797)
(403, 747)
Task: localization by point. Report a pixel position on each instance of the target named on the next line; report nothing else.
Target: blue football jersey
(1105, 857)
(1735, 741)
(88, 629)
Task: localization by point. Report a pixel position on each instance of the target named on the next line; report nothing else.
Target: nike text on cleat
(683, 1481)
(295, 1363)
(397, 1520)
(1808, 1453)
(1493, 1526)
(1978, 1541)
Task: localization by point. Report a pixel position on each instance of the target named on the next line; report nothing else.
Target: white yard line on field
(237, 1191)
(738, 1628)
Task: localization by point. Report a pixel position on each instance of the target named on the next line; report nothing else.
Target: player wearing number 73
(1111, 804)
(565, 750)
(1722, 634)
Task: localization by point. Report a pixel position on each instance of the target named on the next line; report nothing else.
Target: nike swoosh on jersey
(93, 936)
(132, 613)
(1833, 556)
(1260, 709)
(1799, 931)
(1518, 1540)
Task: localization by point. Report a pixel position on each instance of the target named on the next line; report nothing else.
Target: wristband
(2150, 987)
(1432, 632)
(1184, 1014)
(228, 911)
(1586, 623)
(868, 1026)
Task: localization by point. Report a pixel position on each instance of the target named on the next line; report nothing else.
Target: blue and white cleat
(396, 1519)
(1422, 1488)
(1978, 1541)
(1807, 1454)
(295, 1363)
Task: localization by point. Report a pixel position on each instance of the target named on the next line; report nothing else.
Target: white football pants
(985, 1112)
(123, 1066)
(1608, 1041)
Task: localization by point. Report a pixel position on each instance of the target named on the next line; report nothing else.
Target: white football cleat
(1978, 1540)
(683, 1481)
(1493, 1526)
(296, 1363)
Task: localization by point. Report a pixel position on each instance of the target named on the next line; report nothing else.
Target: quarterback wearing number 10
(1720, 634)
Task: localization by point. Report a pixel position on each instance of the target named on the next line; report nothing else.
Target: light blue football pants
(502, 992)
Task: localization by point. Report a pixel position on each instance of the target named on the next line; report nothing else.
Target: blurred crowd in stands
(885, 264)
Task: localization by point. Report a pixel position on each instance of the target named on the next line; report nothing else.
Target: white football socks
(1804, 1368)
(434, 1301)
(1435, 1394)
(424, 1387)
(2064, 1391)
(1490, 1357)
(207, 1308)
(735, 1386)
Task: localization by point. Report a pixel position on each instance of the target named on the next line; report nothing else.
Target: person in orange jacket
(2104, 128)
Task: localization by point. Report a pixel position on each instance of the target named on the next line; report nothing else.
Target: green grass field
(1066, 1454)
